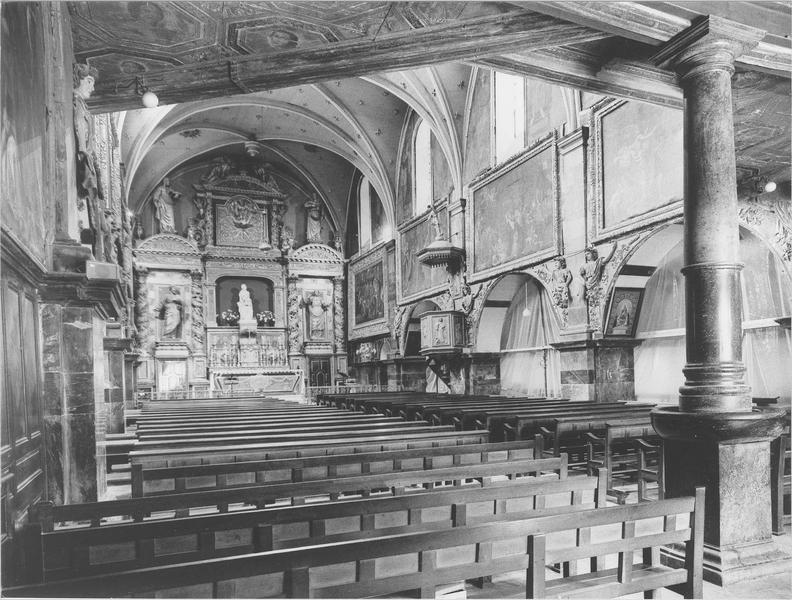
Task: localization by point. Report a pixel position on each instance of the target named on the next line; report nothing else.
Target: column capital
(710, 44)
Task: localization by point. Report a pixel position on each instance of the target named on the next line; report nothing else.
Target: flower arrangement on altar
(265, 318)
(229, 317)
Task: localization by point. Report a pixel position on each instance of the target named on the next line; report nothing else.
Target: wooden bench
(616, 451)
(239, 424)
(87, 551)
(526, 425)
(504, 420)
(171, 479)
(164, 457)
(566, 434)
(650, 468)
(395, 483)
(422, 561)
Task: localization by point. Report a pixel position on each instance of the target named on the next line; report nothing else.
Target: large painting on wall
(22, 139)
(640, 165)
(415, 277)
(369, 302)
(515, 211)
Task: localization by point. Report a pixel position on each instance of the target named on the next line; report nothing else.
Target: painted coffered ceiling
(341, 76)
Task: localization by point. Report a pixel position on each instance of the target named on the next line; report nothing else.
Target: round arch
(654, 268)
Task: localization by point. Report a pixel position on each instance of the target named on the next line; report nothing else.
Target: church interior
(411, 299)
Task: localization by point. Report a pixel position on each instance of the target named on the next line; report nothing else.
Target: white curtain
(767, 349)
(529, 366)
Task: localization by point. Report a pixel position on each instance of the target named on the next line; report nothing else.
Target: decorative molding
(316, 253)
(167, 244)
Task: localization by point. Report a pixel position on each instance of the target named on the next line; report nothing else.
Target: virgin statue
(245, 305)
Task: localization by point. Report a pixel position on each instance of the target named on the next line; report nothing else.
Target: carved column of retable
(713, 438)
(338, 315)
(197, 306)
(142, 316)
(294, 320)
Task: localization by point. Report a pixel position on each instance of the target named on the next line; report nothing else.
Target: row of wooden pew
(229, 500)
(617, 435)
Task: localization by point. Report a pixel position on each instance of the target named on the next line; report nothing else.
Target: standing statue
(170, 311)
(163, 199)
(560, 280)
(591, 271)
(435, 221)
(245, 305)
(316, 316)
(88, 181)
(313, 227)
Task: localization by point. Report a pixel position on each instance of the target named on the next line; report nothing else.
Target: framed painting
(638, 166)
(417, 280)
(369, 302)
(515, 212)
(625, 308)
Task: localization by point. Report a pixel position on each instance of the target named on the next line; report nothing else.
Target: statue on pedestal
(163, 199)
(170, 311)
(317, 322)
(88, 181)
(313, 227)
(245, 305)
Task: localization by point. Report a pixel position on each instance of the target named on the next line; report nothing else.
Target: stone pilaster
(294, 323)
(339, 325)
(713, 438)
(598, 370)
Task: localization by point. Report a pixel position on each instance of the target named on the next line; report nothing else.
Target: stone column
(713, 438)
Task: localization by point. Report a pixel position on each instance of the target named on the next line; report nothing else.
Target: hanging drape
(767, 348)
(529, 366)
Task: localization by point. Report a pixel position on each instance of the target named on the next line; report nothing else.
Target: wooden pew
(464, 415)
(284, 434)
(395, 483)
(173, 479)
(78, 552)
(259, 451)
(650, 468)
(566, 433)
(526, 425)
(615, 450)
(422, 561)
(503, 419)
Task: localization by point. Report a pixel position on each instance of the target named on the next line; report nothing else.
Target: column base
(730, 564)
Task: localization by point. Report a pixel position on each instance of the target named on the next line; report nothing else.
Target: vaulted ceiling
(341, 76)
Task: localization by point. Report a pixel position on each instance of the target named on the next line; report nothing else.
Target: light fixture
(770, 186)
(147, 97)
(526, 311)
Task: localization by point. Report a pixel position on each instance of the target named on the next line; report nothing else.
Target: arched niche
(655, 269)
(412, 343)
(227, 293)
(519, 324)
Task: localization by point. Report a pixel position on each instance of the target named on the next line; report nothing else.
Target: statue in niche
(163, 199)
(560, 280)
(591, 271)
(137, 231)
(317, 322)
(220, 170)
(245, 304)
(313, 227)
(338, 242)
(287, 240)
(170, 311)
(88, 181)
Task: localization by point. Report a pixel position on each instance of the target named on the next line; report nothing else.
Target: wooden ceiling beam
(649, 24)
(460, 40)
(584, 71)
